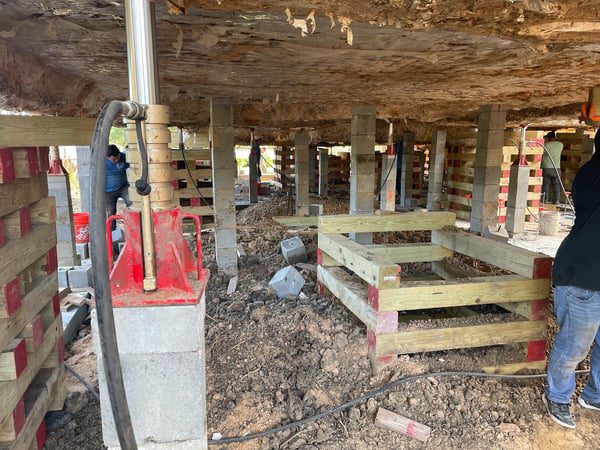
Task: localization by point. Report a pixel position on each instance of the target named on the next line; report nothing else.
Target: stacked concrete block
(407, 170)
(80, 277)
(436, 171)
(287, 282)
(223, 168)
(312, 159)
(84, 156)
(301, 170)
(60, 189)
(293, 250)
(488, 161)
(516, 205)
(83, 250)
(362, 166)
(315, 210)
(323, 171)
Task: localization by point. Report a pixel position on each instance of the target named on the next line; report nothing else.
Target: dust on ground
(271, 362)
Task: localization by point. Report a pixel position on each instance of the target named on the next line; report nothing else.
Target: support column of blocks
(323, 171)
(313, 175)
(31, 345)
(60, 188)
(302, 175)
(84, 156)
(488, 171)
(407, 170)
(518, 191)
(223, 166)
(437, 159)
(362, 166)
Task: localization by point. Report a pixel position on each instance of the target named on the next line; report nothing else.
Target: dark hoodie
(577, 261)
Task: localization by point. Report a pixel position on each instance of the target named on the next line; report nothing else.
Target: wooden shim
(193, 193)
(34, 302)
(410, 221)
(351, 292)
(37, 402)
(12, 391)
(509, 369)
(22, 192)
(13, 360)
(41, 131)
(297, 221)
(374, 269)
(459, 337)
(505, 256)
(404, 253)
(395, 422)
(18, 255)
(414, 295)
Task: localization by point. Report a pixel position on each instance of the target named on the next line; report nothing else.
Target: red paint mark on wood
(373, 297)
(18, 416)
(25, 220)
(12, 296)
(40, 435)
(43, 154)
(542, 267)
(37, 328)
(7, 166)
(20, 355)
(536, 350)
(56, 305)
(51, 261)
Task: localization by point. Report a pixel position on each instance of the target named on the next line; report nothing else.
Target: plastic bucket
(81, 223)
(549, 223)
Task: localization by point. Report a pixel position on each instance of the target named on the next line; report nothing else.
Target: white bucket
(549, 223)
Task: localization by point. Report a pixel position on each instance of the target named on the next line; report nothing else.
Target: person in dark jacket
(576, 278)
(116, 180)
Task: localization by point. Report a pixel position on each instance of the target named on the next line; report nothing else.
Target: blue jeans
(578, 314)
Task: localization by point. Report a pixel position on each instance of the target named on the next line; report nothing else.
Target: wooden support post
(436, 171)
(407, 171)
(323, 171)
(301, 170)
(362, 166)
(223, 166)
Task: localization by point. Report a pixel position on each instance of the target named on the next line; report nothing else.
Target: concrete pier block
(63, 278)
(82, 250)
(293, 251)
(286, 282)
(80, 277)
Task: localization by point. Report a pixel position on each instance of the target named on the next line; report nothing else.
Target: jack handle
(109, 242)
(198, 223)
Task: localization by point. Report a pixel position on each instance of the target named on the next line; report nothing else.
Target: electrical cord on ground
(371, 394)
(79, 378)
(187, 167)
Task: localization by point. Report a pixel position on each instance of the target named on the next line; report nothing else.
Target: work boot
(559, 412)
(588, 404)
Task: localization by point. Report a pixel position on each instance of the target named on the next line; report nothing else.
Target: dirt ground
(271, 362)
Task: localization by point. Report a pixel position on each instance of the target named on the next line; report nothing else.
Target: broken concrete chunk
(293, 250)
(286, 281)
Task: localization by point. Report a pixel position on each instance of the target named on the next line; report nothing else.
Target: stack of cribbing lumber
(31, 343)
(197, 163)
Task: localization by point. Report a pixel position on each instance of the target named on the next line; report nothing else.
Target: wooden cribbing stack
(375, 293)
(31, 343)
(186, 189)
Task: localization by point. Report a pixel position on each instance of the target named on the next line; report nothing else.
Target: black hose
(141, 186)
(106, 321)
(371, 394)
(79, 378)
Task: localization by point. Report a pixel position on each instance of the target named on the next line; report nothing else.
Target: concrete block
(64, 232)
(117, 236)
(497, 235)
(293, 250)
(487, 175)
(362, 238)
(488, 156)
(287, 281)
(363, 124)
(82, 250)
(121, 246)
(315, 210)
(492, 139)
(63, 279)
(363, 109)
(80, 277)
(491, 120)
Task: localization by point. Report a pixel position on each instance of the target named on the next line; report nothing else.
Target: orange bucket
(81, 222)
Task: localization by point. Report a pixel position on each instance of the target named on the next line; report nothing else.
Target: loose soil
(271, 362)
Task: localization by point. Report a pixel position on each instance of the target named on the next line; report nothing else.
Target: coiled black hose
(106, 322)
(141, 186)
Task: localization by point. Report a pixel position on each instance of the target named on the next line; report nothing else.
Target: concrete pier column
(518, 188)
(488, 161)
(436, 170)
(253, 161)
(362, 166)
(84, 157)
(407, 170)
(312, 161)
(223, 170)
(323, 171)
(302, 139)
(60, 188)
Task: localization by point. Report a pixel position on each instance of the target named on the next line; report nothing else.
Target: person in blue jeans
(576, 277)
(116, 180)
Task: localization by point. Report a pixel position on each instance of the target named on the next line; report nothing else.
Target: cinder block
(87, 261)
(64, 232)
(117, 236)
(287, 281)
(82, 250)
(293, 250)
(315, 210)
(492, 139)
(80, 277)
(63, 280)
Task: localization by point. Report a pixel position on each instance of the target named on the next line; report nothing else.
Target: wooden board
(22, 192)
(191, 155)
(505, 256)
(193, 193)
(374, 269)
(351, 292)
(459, 337)
(198, 210)
(413, 295)
(297, 221)
(42, 131)
(410, 221)
(405, 253)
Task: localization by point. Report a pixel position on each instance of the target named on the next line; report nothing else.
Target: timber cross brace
(375, 294)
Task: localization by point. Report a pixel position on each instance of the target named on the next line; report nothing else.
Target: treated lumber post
(362, 166)
(436, 170)
(301, 168)
(323, 171)
(387, 323)
(542, 269)
(407, 170)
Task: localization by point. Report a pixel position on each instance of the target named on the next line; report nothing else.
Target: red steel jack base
(180, 277)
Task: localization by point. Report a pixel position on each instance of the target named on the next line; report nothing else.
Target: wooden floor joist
(410, 221)
(22, 192)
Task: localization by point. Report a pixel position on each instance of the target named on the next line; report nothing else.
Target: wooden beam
(191, 155)
(374, 269)
(459, 337)
(505, 256)
(405, 253)
(414, 295)
(351, 292)
(410, 221)
(22, 192)
(193, 193)
(297, 221)
(42, 131)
